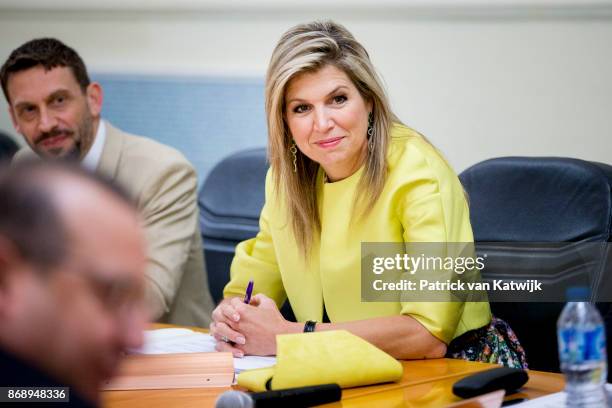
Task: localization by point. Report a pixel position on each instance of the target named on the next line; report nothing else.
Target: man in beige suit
(56, 108)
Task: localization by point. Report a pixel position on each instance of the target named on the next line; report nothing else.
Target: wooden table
(425, 383)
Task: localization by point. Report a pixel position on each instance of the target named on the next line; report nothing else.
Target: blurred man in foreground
(72, 263)
(57, 109)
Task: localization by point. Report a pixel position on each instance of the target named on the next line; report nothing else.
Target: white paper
(168, 341)
(251, 362)
(556, 400)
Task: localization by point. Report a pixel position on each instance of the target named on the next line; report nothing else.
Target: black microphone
(290, 397)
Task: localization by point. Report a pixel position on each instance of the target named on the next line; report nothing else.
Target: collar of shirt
(92, 158)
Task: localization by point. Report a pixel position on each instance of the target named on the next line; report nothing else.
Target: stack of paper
(553, 400)
(166, 341)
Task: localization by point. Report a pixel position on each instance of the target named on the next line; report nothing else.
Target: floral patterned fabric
(495, 343)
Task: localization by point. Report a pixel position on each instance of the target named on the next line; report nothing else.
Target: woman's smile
(329, 143)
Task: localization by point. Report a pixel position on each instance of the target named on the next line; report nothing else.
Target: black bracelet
(309, 326)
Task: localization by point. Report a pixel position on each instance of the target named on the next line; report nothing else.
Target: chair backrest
(230, 202)
(8, 147)
(539, 200)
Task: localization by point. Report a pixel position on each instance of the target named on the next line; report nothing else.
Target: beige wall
(479, 81)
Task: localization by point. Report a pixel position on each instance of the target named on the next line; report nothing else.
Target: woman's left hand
(260, 322)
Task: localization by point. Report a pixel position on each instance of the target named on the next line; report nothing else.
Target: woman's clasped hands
(243, 329)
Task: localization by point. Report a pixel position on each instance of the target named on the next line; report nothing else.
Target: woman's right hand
(224, 327)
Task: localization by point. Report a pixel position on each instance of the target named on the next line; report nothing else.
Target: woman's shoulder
(412, 155)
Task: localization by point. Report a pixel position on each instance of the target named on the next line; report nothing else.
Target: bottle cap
(577, 294)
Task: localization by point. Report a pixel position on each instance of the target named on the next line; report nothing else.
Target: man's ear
(11, 112)
(95, 96)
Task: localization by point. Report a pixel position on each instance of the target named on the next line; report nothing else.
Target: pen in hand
(249, 292)
(247, 300)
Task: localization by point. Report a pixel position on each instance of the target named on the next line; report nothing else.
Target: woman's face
(328, 119)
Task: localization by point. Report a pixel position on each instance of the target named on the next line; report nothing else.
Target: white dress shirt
(92, 158)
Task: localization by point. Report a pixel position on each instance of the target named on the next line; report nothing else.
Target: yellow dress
(422, 201)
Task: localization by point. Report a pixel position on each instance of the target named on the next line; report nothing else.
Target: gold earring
(293, 150)
(370, 132)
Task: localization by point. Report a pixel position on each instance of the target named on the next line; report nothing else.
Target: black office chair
(8, 147)
(230, 201)
(541, 200)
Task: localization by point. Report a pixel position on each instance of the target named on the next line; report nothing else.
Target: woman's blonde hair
(308, 48)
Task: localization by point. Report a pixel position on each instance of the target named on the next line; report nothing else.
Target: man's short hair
(29, 217)
(48, 52)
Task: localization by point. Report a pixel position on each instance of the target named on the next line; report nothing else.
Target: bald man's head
(72, 263)
(32, 192)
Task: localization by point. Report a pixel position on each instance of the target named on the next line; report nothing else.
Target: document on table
(167, 341)
(552, 401)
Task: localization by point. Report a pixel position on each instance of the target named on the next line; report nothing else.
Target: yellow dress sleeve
(256, 259)
(433, 209)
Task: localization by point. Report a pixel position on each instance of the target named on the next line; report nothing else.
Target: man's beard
(83, 138)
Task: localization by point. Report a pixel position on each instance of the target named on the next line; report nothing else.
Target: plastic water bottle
(582, 351)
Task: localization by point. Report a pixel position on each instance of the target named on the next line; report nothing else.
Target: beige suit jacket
(164, 185)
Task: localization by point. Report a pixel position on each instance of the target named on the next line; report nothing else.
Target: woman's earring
(293, 150)
(370, 132)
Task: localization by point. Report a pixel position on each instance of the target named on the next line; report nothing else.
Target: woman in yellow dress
(344, 170)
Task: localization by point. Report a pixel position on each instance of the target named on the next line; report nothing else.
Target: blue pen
(249, 292)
